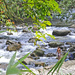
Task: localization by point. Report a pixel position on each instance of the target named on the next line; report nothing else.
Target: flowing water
(29, 47)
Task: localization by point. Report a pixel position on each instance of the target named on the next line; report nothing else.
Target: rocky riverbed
(67, 68)
(45, 55)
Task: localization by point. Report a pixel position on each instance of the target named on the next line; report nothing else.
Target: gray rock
(64, 49)
(14, 47)
(3, 36)
(72, 48)
(3, 65)
(32, 40)
(55, 44)
(72, 26)
(50, 55)
(74, 55)
(34, 29)
(25, 30)
(61, 32)
(68, 43)
(37, 53)
(39, 64)
(8, 42)
(29, 61)
(9, 33)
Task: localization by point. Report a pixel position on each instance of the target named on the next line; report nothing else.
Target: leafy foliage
(23, 9)
(67, 8)
(12, 67)
(36, 9)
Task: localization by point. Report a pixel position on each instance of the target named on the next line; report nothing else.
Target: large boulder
(14, 47)
(72, 26)
(60, 32)
(37, 53)
(55, 44)
(9, 33)
(32, 40)
(29, 61)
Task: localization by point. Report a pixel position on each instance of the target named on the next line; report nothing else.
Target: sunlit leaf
(11, 63)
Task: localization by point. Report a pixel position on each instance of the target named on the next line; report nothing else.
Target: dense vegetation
(14, 10)
(22, 9)
(67, 10)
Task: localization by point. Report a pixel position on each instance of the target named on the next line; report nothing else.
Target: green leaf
(47, 22)
(62, 60)
(13, 70)
(58, 64)
(25, 71)
(2, 31)
(29, 28)
(11, 63)
(26, 67)
(21, 60)
(51, 36)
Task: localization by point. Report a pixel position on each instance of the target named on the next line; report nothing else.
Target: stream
(27, 47)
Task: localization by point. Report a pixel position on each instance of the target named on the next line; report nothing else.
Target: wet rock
(0, 41)
(14, 47)
(73, 45)
(68, 43)
(72, 48)
(61, 32)
(9, 33)
(29, 61)
(37, 53)
(3, 36)
(32, 40)
(8, 42)
(39, 64)
(50, 55)
(64, 49)
(74, 55)
(25, 31)
(72, 26)
(55, 44)
(3, 65)
(35, 28)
